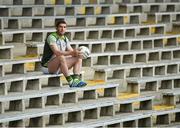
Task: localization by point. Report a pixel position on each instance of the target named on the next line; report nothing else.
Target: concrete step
(156, 83)
(56, 10)
(119, 120)
(147, 1)
(136, 119)
(132, 57)
(6, 52)
(42, 98)
(149, 7)
(23, 22)
(114, 45)
(17, 65)
(172, 97)
(98, 109)
(83, 33)
(58, 110)
(124, 71)
(29, 81)
(51, 2)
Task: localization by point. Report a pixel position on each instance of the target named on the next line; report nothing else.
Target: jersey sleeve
(51, 40)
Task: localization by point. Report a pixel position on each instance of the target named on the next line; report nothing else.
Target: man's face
(61, 29)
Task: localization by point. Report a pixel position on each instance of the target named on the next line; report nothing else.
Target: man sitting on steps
(59, 56)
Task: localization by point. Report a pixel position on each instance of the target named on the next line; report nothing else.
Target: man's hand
(76, 52)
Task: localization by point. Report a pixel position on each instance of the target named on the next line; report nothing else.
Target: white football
(85, 52)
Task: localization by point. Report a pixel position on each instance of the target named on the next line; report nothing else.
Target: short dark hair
(60, 22)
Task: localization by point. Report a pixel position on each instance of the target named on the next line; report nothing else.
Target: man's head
(61, 27)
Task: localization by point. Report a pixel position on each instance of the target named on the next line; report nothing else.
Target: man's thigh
(53, 65)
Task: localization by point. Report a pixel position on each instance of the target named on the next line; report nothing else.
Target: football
(85, 52)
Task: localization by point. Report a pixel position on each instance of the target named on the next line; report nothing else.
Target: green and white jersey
(53, 39)
(61, 41)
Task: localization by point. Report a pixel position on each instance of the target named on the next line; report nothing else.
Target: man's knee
(79, 60)
(62, 59)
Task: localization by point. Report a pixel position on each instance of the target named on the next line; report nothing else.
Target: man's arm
(69, 48)
(58, 52)
(51, 40)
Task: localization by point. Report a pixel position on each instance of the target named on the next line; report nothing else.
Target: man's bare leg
(76, 63)
(65, 64)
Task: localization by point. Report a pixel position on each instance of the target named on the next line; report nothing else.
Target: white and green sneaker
(77, 83)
